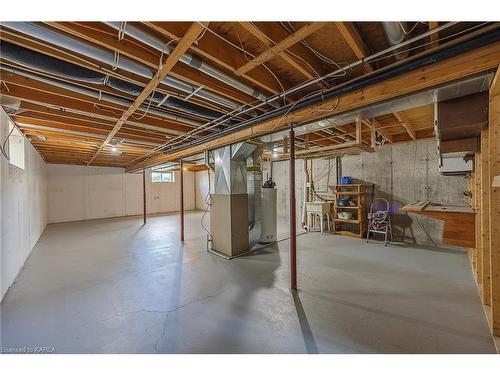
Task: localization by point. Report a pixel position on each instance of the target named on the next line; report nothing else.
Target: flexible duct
(95, 94)
(40, 62)
(191, 60)
(395, 35)
(103, 56)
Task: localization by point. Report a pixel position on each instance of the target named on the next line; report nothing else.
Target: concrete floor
(114, 286)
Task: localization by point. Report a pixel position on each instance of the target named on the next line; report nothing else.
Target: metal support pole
(293, 224)
(144, 193)
(182, 199)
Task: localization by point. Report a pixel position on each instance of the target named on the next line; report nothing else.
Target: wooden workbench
(459, 221)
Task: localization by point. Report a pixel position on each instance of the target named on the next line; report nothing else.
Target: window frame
(162, 174)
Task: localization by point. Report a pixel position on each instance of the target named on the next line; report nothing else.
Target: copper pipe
(182, 199)
(293, 224)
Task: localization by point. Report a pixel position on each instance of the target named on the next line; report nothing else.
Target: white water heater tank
(269, 216)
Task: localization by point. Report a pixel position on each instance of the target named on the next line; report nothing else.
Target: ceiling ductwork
(395, 35)
(97, 95)
(53, 37)
(47, 64)
(191, 60)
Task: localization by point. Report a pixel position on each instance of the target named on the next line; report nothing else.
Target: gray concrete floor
(114, 286)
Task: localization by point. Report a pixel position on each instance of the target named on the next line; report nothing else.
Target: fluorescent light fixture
(115, 150)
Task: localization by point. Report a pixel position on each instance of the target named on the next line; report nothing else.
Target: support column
(144, 194)
(182, 199)
(293, 224)
(485, 218)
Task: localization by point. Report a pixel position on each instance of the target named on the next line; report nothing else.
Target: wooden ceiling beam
(285, 56)
(88, 63)
(292, 39)
(56, 98)
(406, 124)
(71, 114)
(466, 64)
(221, 53)
(435, 36)
(86, 124)
(355, 42)
(102, 131)
(187, 40)
(151, 60)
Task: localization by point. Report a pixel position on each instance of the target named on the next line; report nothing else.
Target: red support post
(144, 193)
(293, 224)
(182, 199)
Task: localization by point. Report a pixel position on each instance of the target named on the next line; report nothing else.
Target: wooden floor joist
(280, 47)
(183, 45)
(467, 64)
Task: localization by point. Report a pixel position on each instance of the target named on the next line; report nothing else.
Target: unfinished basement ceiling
(74, 81)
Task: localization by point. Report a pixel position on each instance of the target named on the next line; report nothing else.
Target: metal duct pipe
(103, 56)
(193, 61)
(47, 64)
(395, 35)
(96, 94)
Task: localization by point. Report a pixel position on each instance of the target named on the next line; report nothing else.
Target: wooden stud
(485, 219)
(477, 205)
(494, 200)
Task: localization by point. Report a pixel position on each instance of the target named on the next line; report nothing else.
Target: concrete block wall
(83, 193)
(401, 173)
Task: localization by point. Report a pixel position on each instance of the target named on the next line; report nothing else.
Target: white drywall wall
(23, 209)
(82, 193)
(202, 188)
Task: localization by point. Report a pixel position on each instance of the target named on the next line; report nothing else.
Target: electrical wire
(208, 204)
(296, 57)
(160, 66)
(245, 53)
(249, 106)
(4, 153)
(408, 32)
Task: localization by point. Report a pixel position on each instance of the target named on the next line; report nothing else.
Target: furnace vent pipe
(395, 35)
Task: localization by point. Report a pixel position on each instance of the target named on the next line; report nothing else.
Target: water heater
(268, 215)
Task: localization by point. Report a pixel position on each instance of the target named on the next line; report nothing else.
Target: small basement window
(162, 177)
(16, 147)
